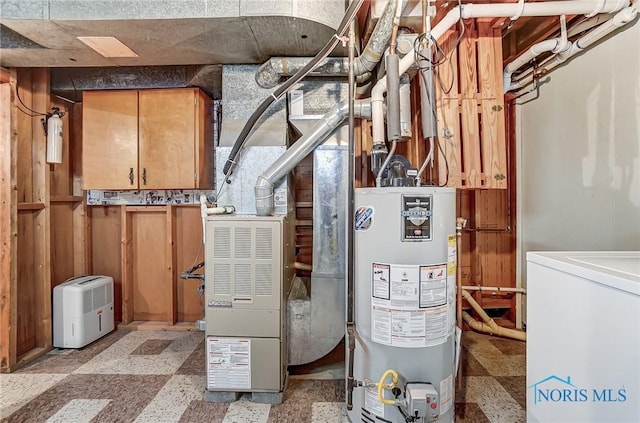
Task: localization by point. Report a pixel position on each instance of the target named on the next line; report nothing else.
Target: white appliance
(405, 309)
(82, 311)
(583, 337)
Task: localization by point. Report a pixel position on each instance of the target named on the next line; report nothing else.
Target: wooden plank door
(167, 138)
(110, 140)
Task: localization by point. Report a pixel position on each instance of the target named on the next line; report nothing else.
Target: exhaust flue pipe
(300, 149)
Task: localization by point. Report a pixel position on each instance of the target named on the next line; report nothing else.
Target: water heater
(405, 292)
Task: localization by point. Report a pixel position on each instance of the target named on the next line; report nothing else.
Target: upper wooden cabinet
(147, 139)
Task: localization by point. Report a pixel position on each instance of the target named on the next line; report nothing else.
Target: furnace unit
(250, 266)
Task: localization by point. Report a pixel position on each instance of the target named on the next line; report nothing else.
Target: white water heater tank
(405, 291)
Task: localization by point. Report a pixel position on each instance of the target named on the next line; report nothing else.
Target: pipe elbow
(506, 80)
(264, 196)
(625, 16)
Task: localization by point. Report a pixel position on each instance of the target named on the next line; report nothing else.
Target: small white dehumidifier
(82, 310)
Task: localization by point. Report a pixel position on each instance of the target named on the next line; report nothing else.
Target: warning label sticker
(228, 363)
(410, 305)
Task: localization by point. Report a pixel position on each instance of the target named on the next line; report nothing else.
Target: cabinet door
(167, 138)
(110, 140)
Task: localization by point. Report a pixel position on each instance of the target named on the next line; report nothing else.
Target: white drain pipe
(554, 45)
(468, 11)
(622, 18)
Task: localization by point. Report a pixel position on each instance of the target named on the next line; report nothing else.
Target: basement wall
(579, 154)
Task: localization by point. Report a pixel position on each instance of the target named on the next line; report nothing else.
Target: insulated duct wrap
(427, 96)
(393, 98)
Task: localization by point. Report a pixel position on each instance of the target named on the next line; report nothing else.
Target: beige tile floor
(149, 376)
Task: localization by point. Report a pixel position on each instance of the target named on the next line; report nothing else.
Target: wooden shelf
(66, 199)
(30, 206)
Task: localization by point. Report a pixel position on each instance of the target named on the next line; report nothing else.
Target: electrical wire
(24, 105)
(453, 49)
(446, 163)
(31, 113)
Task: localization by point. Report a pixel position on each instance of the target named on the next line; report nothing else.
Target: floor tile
(325, 412)
(69, 360)
(173, 399)
(244, 411)
(516, 386)
(470, 366)
(195, 363)
(128, 395)
(152, 347)
(202, 411)
(156, 376)
(470, 413)
(117, 359)
(509, 346)
(17, 390)
(300, 394)
(79, 411)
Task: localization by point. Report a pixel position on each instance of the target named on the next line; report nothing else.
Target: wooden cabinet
(147, 139)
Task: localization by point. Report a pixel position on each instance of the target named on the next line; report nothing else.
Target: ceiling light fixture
(108, 46)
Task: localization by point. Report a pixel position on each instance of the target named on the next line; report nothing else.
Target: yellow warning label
(451, 255)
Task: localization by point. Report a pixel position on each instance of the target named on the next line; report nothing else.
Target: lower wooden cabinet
(145, 248)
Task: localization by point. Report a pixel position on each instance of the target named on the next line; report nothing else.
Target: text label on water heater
(416, 214)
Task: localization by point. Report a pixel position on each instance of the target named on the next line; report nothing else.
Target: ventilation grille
(264, 276)
(222, 243)
(242, 243)
(222, 279)
(95, 298)
(264, 244)
(87, 302)
(243, 280)
(244, 262)
(99, 296)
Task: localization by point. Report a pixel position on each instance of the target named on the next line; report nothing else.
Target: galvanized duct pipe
(300, 149)
(272, 71)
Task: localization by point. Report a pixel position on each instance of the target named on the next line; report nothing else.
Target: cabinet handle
(131, 175)
(144, 176)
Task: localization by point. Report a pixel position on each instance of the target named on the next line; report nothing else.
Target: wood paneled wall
(43, 216)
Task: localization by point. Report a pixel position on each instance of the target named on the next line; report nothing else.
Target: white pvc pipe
(619, 20)
(554, 45)
(553, 8)
(208, 211)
